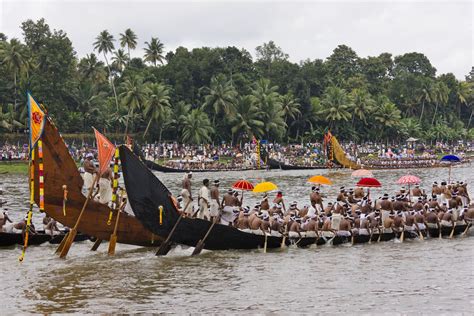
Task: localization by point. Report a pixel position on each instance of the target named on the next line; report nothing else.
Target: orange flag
(106, 151)
(37, 119)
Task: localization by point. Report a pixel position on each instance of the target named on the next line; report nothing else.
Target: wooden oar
(452, 231)
(61, 245)
(73, 232)
(113, 237)
(265, 244)
(96, 245)
(200, 244)
(402, 237)
(464, 234)
(283, 240)
(165, 247)
(419, 233)
(440, 232)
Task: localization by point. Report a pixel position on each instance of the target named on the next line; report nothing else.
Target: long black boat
(147, 195)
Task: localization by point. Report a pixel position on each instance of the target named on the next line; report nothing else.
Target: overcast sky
(442, 30)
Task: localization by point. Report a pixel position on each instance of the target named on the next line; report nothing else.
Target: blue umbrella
(450, 159)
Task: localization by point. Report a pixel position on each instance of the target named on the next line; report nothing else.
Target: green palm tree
(105, 44)
(157, 105)
(177, 115)
(154, 51)
(425, 95)
(91, 68)
(290, 107)
(246, 120)
(267, 100)
(88, 101)
(11, 118)
(197, 128)
(410, 127)
(336, 105)
(387, 113)
(133, 96)
(362, 105)
(120, 60)
(15, 57)
(440, 95)
(463, 95)
(129, 39)
(220, 96)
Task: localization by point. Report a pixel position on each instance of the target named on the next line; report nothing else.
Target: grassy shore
(13, 168)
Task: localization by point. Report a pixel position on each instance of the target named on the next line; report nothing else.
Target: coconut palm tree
(15, 57)
(425, 95)
(133, 96)
(177, 115)
(410, 127)
(129, 39)
(440, 94)
(387, 114)
(463, 93)
(290, 107)
(120, 60)
(197, 128)
(11, 117)
(267, 100)
(362, 105)
(336, 105)
(91, 68)
(246, 120)
(154, 51)
(157, 105)
(88, 101)
(220, 96)
(105, 44)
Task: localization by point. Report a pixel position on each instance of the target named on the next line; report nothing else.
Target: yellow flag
(37, 119)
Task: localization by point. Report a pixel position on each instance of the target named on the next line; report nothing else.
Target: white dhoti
(105, 190)
(227, 215)
(446, 223)
(432, 225)
(344, 233)
(421, 226)
(336, 221)
(293, 235)
(203, 210)
(188, 208)
(363, 231)
(214, 211)
(88, 180)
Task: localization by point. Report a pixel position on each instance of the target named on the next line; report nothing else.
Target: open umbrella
(320, 180)
(362, 173)
(243, 185)
(409, 180)
(451, 159)
(264, 187)
(368, 183)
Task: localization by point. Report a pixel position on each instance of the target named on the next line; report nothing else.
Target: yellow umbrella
(320, 180)
(264, 187)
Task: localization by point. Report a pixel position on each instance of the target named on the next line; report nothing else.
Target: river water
(431, 276)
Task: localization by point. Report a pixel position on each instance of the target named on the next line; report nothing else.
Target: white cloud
(442, 30)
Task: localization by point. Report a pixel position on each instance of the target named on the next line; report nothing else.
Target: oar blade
(112, 243)
(68, 243)
(61, 245)
(165, 247)
(96, 244)
(198, 249)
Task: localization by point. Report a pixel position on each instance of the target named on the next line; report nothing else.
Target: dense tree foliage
(223, 94)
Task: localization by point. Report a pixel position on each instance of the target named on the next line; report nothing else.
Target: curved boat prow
(60, 169)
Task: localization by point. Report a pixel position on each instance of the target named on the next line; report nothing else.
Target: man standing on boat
(214, 211)
(203, 200)
(186, 194)
(89, 171)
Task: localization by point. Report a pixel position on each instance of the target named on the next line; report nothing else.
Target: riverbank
(16, 167)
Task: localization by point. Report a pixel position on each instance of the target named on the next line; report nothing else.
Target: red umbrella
(369, 183)
(243, 185)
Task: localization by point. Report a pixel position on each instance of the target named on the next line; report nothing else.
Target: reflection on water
(388, 277)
